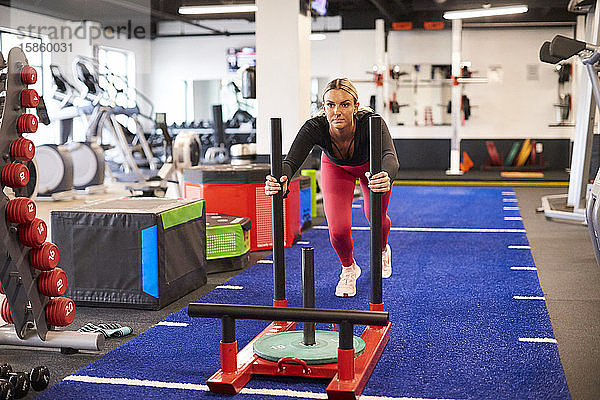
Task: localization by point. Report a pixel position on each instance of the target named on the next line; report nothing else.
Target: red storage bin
(239, 190)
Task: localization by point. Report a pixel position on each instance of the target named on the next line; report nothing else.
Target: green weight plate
(289, 344)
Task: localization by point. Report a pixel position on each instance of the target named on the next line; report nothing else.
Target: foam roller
(28, 75)
(22, 149)
(27, 123)
(53, 283)
(15, 175)
(29, 98)
(60, 311)
(20, 210)
(5, 312)
(33, 234)
(45, 257)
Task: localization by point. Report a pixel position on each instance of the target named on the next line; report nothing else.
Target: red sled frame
(349, 374)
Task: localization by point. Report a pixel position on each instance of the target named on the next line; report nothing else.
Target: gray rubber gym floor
(563, 253)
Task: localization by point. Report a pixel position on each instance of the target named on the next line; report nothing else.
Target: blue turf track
(455, 324)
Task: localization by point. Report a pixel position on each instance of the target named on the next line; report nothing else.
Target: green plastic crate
(226, 236)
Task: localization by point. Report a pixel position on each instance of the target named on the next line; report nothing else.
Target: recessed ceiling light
(485, 12)
(218, 9)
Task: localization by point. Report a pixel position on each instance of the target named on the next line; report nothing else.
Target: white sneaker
(386, 262)
(346, 287)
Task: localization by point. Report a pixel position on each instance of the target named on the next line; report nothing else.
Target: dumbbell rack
(18, 279)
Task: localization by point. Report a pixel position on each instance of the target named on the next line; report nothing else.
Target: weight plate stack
(28, 274)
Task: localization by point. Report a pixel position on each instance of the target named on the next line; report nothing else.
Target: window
(31, 46)
(117, 75)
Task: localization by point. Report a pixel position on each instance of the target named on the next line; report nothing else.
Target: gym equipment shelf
(15, 273)
(32, 313)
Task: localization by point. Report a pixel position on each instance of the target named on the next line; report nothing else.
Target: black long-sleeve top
(315, 131)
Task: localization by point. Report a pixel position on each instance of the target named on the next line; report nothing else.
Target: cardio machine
(559, 49)
(82, 163)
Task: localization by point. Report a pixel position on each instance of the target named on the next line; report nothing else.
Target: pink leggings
(338, 183)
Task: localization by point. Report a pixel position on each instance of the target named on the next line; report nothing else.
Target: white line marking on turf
(510, 200)
(537, 340)
(363, 397)
(524, 268)
(284, 392)
(508, 193)
(459, 230)
(506, 208)
(204, 388)
(529, 298)
(513, 218)
(265, 261)
(229, 287)
(168, 323)
(302, 242)
(519, 247)
(136, 382)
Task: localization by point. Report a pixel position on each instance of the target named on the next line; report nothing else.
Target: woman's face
(339, 108)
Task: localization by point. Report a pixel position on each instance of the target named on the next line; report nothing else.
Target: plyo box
(132, 252)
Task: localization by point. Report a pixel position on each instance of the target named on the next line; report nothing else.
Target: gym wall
(178, 59)
(516, 106)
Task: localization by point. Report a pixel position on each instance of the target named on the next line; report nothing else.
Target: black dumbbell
(39, 378)
(6, 390)
(5, 369)
(19, 380)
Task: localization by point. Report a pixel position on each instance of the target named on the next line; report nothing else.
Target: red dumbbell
(15, 175)
(20, 210)
(33, 234)
(60, 311)
(5, 312)
(27, 123)
(45, 257)
(52, 283)
(28, 75)
(22, 149)
(29, 98)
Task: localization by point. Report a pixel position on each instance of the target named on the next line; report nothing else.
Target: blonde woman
(341, 130)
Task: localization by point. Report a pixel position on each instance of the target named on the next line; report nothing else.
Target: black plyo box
(132, 252)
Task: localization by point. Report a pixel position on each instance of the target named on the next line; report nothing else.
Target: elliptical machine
(82, 162)
(68, 167)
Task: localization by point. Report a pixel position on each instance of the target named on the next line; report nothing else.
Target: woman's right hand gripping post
(273, 187)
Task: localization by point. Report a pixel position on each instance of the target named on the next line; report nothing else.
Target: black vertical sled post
(376, 209)
(277, 213)
(308, 291)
